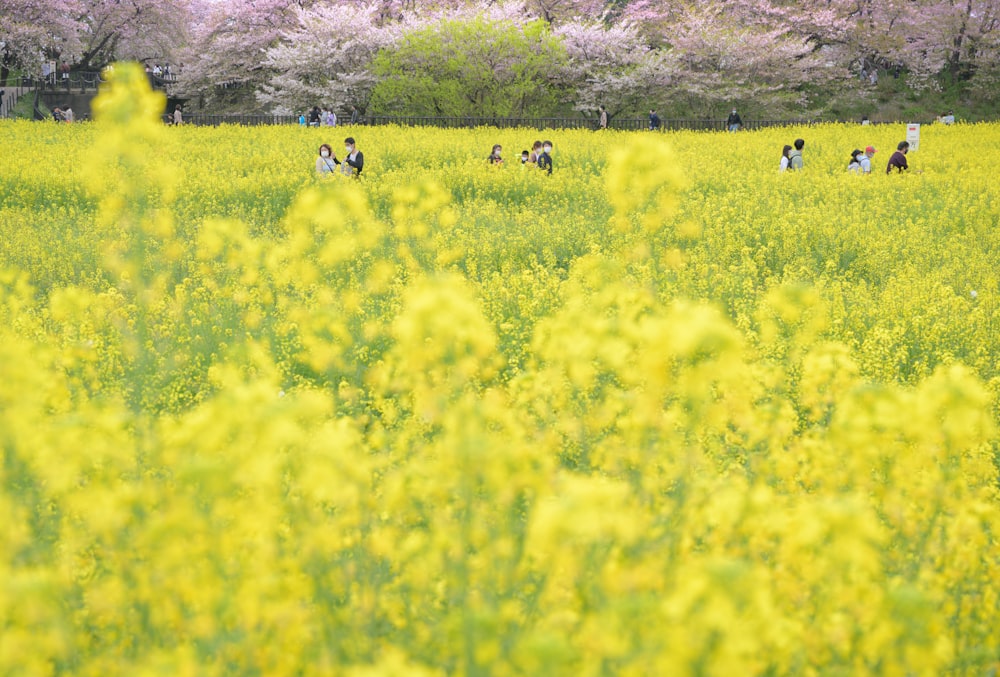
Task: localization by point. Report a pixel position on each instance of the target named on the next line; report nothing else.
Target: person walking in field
(603, 120)
(854, 165)
(898, 159)
(783, 165)
(795, 155)
(545, 159)
(866, 160)
(654, 121)
(354, 162)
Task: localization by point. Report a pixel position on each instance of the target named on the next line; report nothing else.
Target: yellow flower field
(665, 412)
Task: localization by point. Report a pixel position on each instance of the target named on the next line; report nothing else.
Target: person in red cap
(866, 160)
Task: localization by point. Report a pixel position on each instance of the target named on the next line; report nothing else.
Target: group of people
(63, 114)
(354, 160)
(324, 117)
(860, 162)
(540, 156)
(160, 72)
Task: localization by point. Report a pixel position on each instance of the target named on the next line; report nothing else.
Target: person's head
(786, 150)
(903, 147)
(349, 144)
(869, 151)
(547, 146)
(855, 155)
(524, 156)
(325, 150)
(800, 144)
(536, 146)
(652, 111)
(497, 148)
(602, 106)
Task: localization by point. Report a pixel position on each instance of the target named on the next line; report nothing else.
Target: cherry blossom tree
(613, 66)
(137, 30)
(327, 58)
(33, 30)
(229, 44)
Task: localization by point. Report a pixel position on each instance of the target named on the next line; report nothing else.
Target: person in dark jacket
(734, 122)
(355, 160)
(545, 159)
(898, 159)
(654, 121)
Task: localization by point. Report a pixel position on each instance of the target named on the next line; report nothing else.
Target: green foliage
(477, 67)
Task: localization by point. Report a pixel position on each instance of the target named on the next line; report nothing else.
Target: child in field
(783, 165)
(494, 157)
(524, 157)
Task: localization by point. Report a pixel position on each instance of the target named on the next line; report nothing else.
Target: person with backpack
(854, 165)
(795, 156)
(866, 160)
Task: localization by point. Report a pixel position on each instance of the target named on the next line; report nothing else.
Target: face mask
(325, 153)
(548, 149)
(348, 149)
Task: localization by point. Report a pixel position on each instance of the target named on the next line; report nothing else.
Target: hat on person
(870, 149)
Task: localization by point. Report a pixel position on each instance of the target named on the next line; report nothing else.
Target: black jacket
(358, 162)
(545, 162)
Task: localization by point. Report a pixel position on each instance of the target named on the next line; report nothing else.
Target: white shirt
(866, 164)
(784, 164)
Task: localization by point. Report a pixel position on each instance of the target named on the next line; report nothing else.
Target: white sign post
(913, 136)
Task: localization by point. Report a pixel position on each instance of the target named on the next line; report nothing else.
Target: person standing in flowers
(545, 159)
(355, 160)
(734, 122)
(494, 158)
(898, 159)
(536, 150)
(178, 115)
(795, 156)
(325, 164)
(783, 165)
